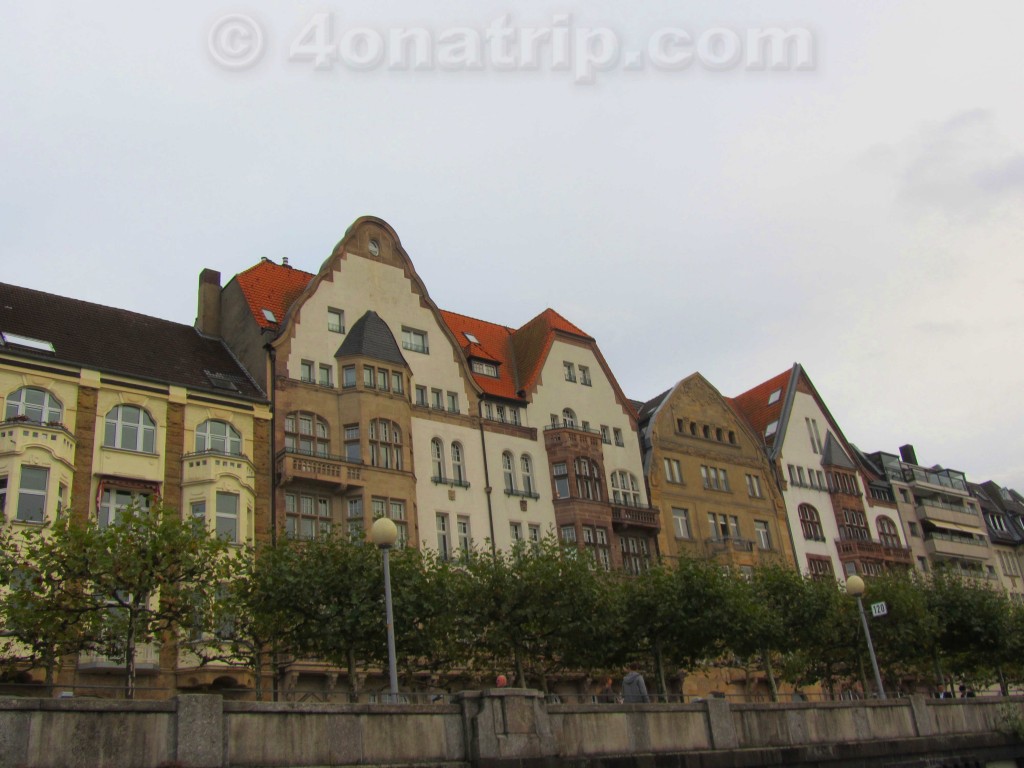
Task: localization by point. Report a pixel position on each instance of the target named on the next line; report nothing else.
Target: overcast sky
(860, 213)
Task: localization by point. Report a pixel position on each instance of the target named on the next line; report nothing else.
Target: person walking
(634, 689)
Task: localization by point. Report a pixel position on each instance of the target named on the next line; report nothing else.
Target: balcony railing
(961, 508)
(449, 481)
(730, 542)
(573, 427)
(319, 468)
(18, 434)
(943, 478)
(872, 549)
(522, 494)
(637, 516)
(413, 346)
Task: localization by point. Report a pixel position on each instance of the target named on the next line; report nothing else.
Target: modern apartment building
(838, 527)
(104, 407)
(709, 476)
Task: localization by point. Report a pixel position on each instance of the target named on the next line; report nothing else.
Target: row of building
(302, 402)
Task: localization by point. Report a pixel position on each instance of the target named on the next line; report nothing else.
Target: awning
(956, 527)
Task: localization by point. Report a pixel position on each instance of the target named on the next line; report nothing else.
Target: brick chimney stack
(208, 317)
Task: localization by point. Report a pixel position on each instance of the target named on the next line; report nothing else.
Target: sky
(854, 205)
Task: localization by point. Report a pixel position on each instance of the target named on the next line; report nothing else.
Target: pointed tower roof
(370, 337)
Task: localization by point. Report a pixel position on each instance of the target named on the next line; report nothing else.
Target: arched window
(625, 489)
(458, 464)
(130, 428)
(569, 418)
(507, 465)
(810, 523)
(34, 404)
(385, 444)
(437, 459)
(307, 433)
(218, 437)
(526, 463)
(887, 532)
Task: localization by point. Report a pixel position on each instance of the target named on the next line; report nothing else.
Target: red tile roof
(754, 407)
(272, 286)
(494, 345)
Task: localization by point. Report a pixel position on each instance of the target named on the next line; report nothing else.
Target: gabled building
(710, 478)
(103, 408)
(838, 528)
(461, 430)
(1003, 509)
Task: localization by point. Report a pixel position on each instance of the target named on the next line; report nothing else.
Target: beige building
(104, 407)
(711, 480)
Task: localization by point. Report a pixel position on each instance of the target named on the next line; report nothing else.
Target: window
(485, 369)
(714, 478)
(306, 516)
(996, 521)
(415, 341)
(764, 539)
(526, 464)
(904, 495)
(913, 528)
(569, 418)
(435, 399)
(585, 426)
(397, 383)
(774, 396)
(3, 495)
(501, 413)
(635, 554)
(673, 472)
(887, 533)
(113, 500)
(569, 534)
(437, 459)
(396, 511)
(198, 511)
(596, 540)
(732, 437)
(385, 444)
(34, 405)
(515, 532)
(326, 378)
(588, 484)
(218, 437)
(348, 376)
(306, 433)
(355, 517)
(754, 486)
(812, 433)
(561, 474)
(606, 436)
(458, 465)
(625, 489)
(618, 436)
(227, 517)
(810, 523)
(369, 377)
(772, 428)
(585, 376)
(719, 435)
(306, 371)
(570, 372)
(513, 415)
(421, 396)
(800, 476)
(32, 495)
(488, 411)
(534, 531)
(508, 471)
(820, 567)
(353, 452)
(336, 320)
(724, 526)
(922, 563)
(453, 402)
(444, 550)
(681, 522)
(465, 539)
(130, 428)
(382, 379)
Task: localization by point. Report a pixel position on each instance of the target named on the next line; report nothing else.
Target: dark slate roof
(832, 455)
(117, 341)
(646, 410)
(370, 337)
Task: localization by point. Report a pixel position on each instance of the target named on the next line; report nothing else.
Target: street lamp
(855, 588)
(383, 533)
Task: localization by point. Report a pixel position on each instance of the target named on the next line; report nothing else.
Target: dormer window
(484, 369)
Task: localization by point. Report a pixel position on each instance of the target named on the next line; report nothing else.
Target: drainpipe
(272, 382)
(487, 477)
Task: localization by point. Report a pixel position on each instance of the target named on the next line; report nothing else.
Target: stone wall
(497, 728)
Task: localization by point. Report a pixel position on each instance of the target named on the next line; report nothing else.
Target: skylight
(774, 396)
(269, 316)
(27, 341)
(222, 380)
(472, 339)
(771, 428)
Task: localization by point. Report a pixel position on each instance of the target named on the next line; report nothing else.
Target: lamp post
(383, 533)
(855, 588)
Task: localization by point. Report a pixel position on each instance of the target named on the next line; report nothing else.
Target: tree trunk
(766, 657)
(659, 669)
(129, 656)
(258, 670)
(353, 679)
(520, 674)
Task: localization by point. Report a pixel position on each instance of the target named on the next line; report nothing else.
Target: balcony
(943, 512)
(335, 472)
(147, 659)
(19, 435)
(636, 517)
(210, 466)
(450, 482)
(934, 480)
(572, 440)
(729, 544)
(965, 546)
(872, 550)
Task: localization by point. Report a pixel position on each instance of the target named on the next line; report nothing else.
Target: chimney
(907, 454)
(284, 262)
(208, 317)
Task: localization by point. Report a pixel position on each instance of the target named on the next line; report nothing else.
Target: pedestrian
(634, 689)
(501, 682)
(606, 695)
